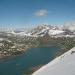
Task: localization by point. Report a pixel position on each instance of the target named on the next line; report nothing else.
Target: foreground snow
(63, 65)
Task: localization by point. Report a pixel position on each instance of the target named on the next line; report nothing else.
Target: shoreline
(6, 56)
(53, 62)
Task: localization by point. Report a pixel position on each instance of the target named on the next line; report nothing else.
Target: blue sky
(22, 13)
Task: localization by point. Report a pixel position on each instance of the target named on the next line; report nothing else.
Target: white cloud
(70, 25)
(41, 13)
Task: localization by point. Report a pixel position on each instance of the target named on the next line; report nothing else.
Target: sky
(24, 13)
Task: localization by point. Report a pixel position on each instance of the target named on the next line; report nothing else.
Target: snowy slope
(55, 32)
(19, 33)
(63, 65)
(39, 30)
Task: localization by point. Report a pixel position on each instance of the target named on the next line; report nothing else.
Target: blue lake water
(33, 57)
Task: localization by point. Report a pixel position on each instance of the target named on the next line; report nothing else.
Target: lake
(33, 57)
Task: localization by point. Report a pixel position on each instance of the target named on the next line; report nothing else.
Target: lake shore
(28, 62)
(51, 66)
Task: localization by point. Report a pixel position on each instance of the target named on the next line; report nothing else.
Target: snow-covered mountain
(56, 31)
(42, 30)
